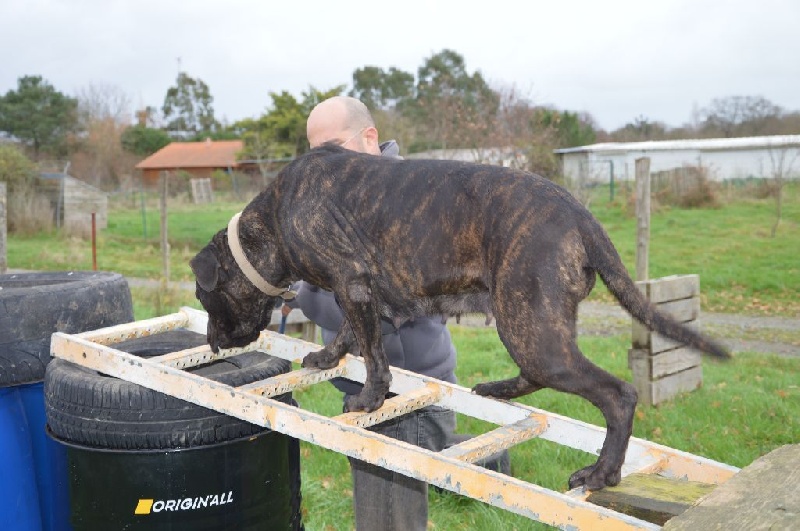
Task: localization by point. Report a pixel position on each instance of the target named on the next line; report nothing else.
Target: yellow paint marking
(143, 507)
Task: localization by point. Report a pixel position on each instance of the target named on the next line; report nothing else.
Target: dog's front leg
(329, 357)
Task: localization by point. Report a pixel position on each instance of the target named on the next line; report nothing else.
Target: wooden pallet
(661, 367)
(452, 469)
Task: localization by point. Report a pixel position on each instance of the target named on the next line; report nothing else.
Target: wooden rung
(498, 439)
(646, 464)
(189, 357)
(394, 407)
(192, 357)
(147, 327)
(578, 493)
(283, 383)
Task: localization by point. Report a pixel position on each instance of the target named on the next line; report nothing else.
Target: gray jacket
(422, 345)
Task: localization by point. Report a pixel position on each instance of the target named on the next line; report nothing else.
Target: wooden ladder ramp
(452, 469)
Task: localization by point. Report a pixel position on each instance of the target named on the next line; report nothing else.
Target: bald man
(386, 500)
(347, 122)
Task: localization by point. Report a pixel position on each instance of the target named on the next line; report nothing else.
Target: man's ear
(371, 142)
(206, 268)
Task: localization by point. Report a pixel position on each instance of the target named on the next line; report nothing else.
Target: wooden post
(94, 241)
(164, 239)
(3, 229)
(642, 217)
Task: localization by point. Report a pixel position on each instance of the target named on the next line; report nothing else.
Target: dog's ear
(206, 268)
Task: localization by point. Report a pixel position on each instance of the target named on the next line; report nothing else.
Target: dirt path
(769, 335)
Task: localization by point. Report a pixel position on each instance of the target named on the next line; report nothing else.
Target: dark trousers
(385, 500)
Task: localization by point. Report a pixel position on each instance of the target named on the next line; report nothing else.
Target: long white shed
(722, 158)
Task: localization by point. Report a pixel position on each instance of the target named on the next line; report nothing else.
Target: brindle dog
(403, 238)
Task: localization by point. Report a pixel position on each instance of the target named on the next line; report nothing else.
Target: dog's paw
(321, 359)
(594, 477)
(363, 402)
(487, 389)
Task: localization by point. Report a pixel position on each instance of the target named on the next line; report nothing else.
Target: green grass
(745, 408)
(155, 301)
(742, 268)
(128, 245)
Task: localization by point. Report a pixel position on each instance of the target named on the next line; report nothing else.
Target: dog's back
(440, 236)
(432, 232)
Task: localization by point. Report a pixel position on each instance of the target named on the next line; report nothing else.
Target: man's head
(345, 121)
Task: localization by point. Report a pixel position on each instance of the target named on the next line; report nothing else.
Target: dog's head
(237, 310)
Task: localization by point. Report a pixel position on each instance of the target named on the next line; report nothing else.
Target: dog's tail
(606, 261)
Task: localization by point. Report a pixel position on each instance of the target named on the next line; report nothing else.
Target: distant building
(722, 158)
(199, 159)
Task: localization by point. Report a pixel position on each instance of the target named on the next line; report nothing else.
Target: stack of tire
(33, 485)
(139, 459)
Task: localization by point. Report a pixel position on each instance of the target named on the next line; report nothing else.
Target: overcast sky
(616, 59)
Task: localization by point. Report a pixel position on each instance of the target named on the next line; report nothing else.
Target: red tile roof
(206, 154)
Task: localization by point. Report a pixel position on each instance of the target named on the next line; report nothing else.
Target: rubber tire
(34, 305)
(95, 410)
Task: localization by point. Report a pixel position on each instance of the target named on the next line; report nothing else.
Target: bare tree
(739, 116)
(97, 155)
(782, 159)
(103, 101)
(260, 148)
(519, 126)
(641, 129)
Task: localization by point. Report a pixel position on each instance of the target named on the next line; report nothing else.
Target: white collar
(247, 268)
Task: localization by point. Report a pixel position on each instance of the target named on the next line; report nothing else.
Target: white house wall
(759, 163)
(738, 162)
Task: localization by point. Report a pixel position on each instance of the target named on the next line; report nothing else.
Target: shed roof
(701, 144)
(205, 154)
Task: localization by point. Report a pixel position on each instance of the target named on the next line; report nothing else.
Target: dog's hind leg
(616, 399)
(507, 389)
(540, 337)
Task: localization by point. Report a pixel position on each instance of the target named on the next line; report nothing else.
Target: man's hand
(285, 310)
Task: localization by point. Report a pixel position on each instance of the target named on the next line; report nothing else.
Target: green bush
(16, 169)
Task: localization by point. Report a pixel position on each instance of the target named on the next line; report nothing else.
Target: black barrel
(140, 459)
(241, 484)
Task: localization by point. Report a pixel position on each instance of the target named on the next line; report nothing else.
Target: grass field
(742, 268)
(744, 409)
